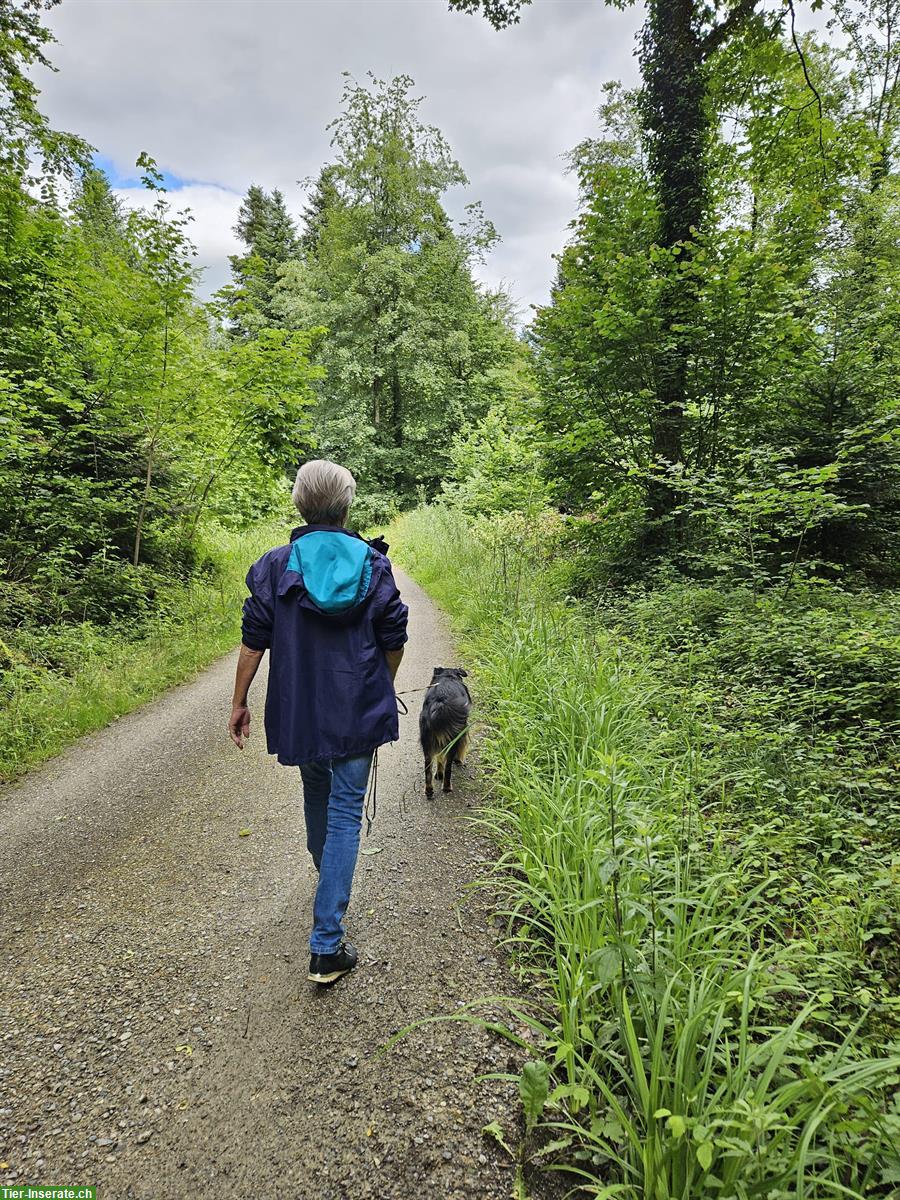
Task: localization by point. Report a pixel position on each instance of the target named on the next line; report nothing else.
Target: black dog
(444, 724)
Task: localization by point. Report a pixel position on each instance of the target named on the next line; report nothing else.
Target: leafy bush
(804, 688)
(373, 508)
(496, 464)
(60, 681)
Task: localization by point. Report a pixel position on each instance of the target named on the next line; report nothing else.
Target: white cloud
(213, 211)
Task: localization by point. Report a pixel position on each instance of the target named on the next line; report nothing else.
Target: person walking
(327, 609)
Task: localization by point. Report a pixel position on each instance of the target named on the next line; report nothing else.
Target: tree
(324, 195)
(25, 134)
(679, 39)
(872, 28)
(411, 339)
(127, 419)
(270, 235)
(789, 313)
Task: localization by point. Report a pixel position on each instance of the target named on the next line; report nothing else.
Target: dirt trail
(159, 1036)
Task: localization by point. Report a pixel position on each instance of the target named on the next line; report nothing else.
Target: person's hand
(239, 725)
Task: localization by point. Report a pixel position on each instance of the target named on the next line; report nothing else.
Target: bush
(798, 694)
(60, 681)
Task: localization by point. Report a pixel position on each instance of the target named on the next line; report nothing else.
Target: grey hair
(323, 492)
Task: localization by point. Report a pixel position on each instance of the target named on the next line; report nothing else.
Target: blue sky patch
(132, 177)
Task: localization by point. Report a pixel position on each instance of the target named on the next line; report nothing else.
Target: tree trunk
(145, 499)
(396, 406)
(676, 122)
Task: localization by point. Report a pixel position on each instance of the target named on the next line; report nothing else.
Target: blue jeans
(333, 797)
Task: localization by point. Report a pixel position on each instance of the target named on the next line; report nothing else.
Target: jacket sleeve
(259, 607)
(390, 624)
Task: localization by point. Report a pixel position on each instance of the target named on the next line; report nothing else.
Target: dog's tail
(446, 722)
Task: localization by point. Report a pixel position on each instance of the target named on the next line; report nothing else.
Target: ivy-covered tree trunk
(676, 123)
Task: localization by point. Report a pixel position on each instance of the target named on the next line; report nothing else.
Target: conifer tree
(268, 231)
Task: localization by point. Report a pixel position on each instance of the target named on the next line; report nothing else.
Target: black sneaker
(326, 968)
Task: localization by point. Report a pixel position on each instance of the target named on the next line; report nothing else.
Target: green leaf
(606, 963)
(534, 1086)
(608, 868)
(705, 1155)
(579, 1096)
(676, 1125)
(495, 1131)
(562, 1143)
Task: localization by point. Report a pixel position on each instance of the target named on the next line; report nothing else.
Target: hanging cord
(372, 793)
(401, 704)
(372, 785)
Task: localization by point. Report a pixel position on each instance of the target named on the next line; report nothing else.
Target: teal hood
(336, 569)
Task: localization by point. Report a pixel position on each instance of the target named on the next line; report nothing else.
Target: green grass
(712, 1031)
(68, 680)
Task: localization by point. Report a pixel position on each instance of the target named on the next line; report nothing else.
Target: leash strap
(371, 804)
(372, 793)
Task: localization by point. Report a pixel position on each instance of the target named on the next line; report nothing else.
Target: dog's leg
(462, 748)
(448, 769)
(429, 781)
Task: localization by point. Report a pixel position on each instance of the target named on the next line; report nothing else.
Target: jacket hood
(335, 568)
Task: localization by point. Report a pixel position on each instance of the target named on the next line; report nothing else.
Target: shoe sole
(330, 977)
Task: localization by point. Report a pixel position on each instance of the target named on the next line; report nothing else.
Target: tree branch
(739, 15)
(500, 13)
(809, 83)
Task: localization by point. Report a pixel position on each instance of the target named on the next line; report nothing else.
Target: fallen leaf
(371, 850)
(244, 833)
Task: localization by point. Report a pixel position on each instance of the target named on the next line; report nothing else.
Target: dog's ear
(440, 670)
(462, 673)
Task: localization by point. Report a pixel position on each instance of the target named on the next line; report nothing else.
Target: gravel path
(160, 1038)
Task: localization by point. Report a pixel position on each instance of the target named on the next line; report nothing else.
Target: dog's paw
(429, 793)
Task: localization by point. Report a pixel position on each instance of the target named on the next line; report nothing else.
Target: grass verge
(708, 1027)
(64, 681)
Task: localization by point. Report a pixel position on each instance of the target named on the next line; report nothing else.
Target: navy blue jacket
(326, 608)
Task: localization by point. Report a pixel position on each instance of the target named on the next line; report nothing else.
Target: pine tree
(324, 196)
(268, 231)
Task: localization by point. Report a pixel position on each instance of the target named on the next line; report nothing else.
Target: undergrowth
(707, 917)
(60, 681)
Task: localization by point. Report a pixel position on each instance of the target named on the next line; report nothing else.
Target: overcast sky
(225, 93)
